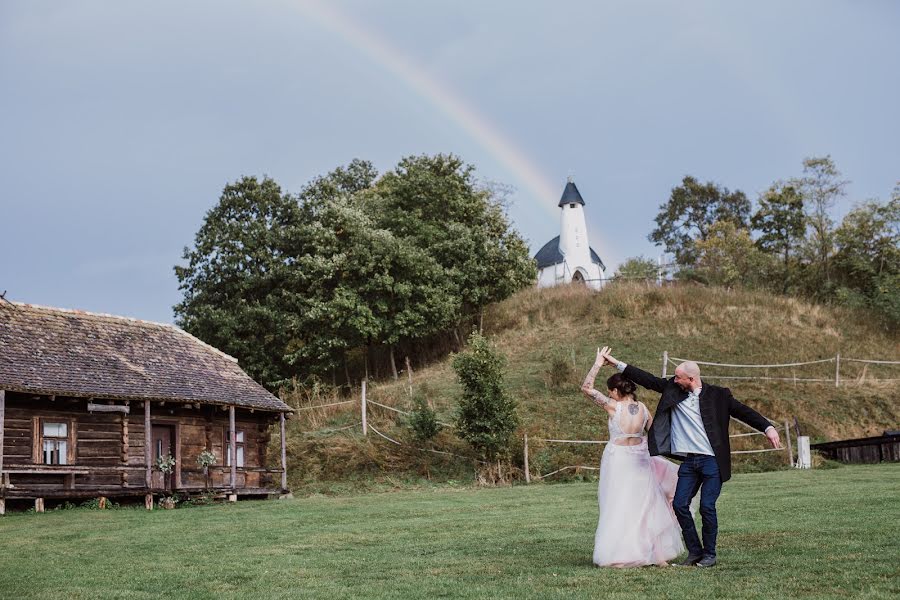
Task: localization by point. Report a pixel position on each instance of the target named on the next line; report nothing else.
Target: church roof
(550, 255)
(570, 195)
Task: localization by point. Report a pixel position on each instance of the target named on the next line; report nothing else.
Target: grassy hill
(549, 338)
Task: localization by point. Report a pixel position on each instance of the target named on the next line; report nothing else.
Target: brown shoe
(690, 561)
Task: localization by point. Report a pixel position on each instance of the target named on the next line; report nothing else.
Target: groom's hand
(772, 434)
(608, 357)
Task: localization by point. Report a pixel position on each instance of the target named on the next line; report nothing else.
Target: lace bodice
(615, 428)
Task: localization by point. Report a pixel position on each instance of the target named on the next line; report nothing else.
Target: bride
(637, 525)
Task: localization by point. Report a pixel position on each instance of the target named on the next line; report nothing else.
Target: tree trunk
(347, 374)
(393, 363)
(481, 320)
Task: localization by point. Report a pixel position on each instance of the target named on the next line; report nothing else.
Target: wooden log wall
(104, 442)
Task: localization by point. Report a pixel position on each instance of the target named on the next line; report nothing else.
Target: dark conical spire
(570, 195)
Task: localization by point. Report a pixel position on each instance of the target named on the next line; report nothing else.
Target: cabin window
(55, 442)
(239, 435)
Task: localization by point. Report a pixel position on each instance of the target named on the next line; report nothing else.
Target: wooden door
(163, 438)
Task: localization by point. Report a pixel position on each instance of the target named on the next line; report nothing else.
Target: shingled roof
(73, 353)
(550, 255)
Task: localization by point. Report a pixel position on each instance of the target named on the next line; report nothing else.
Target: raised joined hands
(604, 357)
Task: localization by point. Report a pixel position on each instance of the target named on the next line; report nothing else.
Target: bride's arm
(588, 386)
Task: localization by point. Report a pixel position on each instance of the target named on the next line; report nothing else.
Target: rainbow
(387, 56)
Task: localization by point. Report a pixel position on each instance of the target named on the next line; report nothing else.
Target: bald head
(689, 368)
(687, 375)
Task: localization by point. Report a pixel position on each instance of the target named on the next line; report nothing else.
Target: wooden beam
(148, 434)
(108, 408)
(283, 456)
(2, 418)
(233, 449)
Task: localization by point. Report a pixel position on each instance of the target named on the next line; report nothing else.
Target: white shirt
(688, 433)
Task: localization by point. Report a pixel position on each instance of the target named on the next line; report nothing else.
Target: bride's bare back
(627, 422)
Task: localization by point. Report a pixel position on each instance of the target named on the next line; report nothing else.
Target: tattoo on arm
(588, 387)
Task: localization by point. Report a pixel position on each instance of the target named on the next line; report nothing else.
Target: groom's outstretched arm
(642, 378)
(645, 379)
(744, 413)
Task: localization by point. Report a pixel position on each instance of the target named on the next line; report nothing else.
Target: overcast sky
(120, 122)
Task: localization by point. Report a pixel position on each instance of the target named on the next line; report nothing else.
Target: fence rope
(384, 436)
(766, 378)
(402, 412)
(324, 405)
(571, 441)
(333, 430)
(393, 441)
(874, 362)
(564, 468)
(676, 361)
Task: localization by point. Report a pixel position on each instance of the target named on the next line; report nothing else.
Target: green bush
(487, 414)
(423, 420)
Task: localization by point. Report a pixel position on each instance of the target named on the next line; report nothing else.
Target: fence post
(363, 409)
(527, 472)
(787, 436)
(837, 370)
(665, 363)
(804, 457)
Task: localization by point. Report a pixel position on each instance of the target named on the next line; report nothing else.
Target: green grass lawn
(817, 534)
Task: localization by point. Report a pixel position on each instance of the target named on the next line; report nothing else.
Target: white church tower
(569, 256)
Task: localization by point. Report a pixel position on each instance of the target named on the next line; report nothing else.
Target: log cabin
(92, 404)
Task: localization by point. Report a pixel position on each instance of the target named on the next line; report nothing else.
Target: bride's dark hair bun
(621, 384)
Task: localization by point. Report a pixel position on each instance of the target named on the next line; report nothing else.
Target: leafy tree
(728, 256)
(867, 261)
(434, 203)
(780, 220)
(234, 277)
(638, 267)
(486, 417)
(342, 182)
(820, 186)
(690, 212)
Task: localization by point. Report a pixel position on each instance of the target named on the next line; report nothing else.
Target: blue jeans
(698, 472)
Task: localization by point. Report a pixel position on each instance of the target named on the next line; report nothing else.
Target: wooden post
(527, 472)
(409, 375)
(148, 441)
(787, 436)
(148, 501)
(233, 449)
(2, 506)
(2, 419)
(363, 409)
(283, 456)
(665, 363)
(124, 476)
(837, 370)
(38, 505)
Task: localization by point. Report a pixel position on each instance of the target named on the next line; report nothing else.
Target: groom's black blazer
(717, 405)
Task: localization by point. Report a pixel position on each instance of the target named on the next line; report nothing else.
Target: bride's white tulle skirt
(637, 525)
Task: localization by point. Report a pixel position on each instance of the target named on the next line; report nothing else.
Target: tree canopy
(355, 264)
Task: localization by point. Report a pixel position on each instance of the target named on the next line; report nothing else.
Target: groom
(691, 425)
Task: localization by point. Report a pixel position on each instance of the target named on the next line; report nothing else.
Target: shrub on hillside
(487, 417)
(423, 420)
